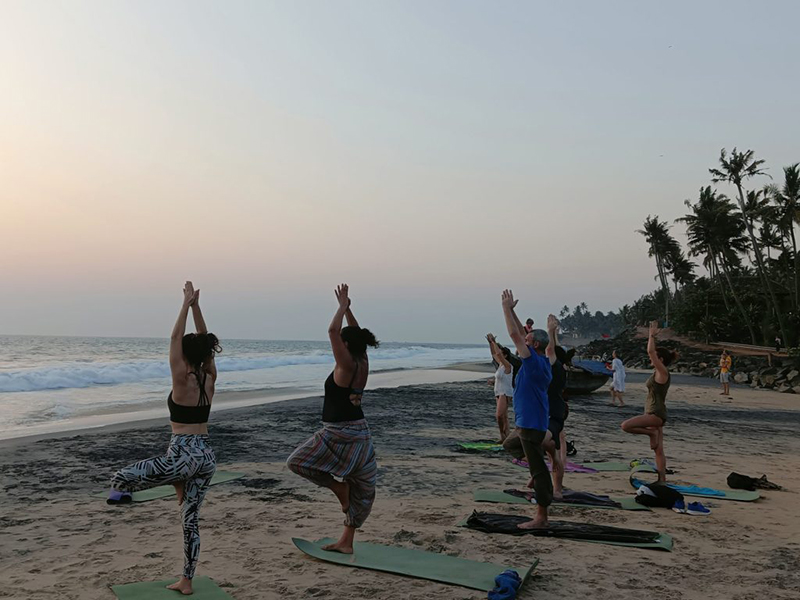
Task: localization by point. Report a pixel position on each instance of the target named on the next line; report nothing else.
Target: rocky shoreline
(783, 375)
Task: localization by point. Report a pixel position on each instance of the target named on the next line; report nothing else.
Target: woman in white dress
(503, 385)
(618, 381)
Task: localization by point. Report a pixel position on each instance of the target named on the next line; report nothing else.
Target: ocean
(49, 379)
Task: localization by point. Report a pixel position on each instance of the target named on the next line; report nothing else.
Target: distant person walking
(503, 384)
(725, 373)
(343, 447)
(778, 343)
(618, 380)
(651, 423)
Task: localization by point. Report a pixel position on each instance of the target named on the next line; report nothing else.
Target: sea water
(47, 379)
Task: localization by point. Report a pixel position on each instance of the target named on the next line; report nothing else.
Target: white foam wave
(83, 375)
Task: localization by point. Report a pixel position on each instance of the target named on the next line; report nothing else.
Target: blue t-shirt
(531, 406)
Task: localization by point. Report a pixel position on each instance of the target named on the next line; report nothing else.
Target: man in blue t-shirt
(531, 405)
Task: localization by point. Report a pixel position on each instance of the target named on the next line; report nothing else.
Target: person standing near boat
(618, 380)
(652, 422)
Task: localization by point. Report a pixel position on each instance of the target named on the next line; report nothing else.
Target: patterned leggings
(189, 459)
(344, 450)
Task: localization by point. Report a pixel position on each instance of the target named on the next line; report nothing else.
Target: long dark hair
(667, 356)
(357, 340)
(199, 348)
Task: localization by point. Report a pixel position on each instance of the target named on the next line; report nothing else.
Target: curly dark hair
(199, 348)
(667, 356)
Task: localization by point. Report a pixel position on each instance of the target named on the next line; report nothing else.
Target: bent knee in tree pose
(343, 447)
(189, 462)
(652, 422)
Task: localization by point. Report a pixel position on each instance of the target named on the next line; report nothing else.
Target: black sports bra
(342, 403)
(190, 415)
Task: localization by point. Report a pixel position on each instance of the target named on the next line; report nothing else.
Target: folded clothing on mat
(509, 524)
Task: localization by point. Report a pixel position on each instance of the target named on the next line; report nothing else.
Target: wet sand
(56, 541)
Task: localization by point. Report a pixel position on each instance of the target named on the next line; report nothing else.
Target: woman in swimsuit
(189, 463)
(343, 447)
(651, 423)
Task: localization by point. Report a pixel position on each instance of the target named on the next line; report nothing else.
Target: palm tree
(715, 231)
(660, 243)
(735, 169)
(787, 199)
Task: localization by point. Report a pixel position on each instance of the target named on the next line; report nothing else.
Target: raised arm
(552, 334)
(340, 351)
(176, 361)
(513, 325)
(661, 371)
(497, 353)
(197, 314)
(351, 320)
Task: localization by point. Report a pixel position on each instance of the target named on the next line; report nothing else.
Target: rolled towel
(506, 586)
(117, 497)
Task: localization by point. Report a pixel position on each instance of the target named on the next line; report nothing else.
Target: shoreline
(228, 401)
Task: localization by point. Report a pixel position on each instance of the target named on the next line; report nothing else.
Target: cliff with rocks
(783, 375)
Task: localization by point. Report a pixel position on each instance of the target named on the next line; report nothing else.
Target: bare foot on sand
(342, 491)
(558, 494)
(183, 585)
(179, 489)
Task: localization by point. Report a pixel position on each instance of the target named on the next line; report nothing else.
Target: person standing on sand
(618, 381)
(778, 343)
(503, 384)
(189, 463)
(531, 407)
(652, 422)
(555, 438)
(725, 373)
(343, 447)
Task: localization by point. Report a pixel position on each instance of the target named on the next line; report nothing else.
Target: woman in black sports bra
(343, 447)
(189, 463)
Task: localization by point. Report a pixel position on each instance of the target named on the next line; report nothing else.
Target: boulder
(785, 389)
(741, 378)
(793, 374)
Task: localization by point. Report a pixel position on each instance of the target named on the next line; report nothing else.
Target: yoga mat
(415, 563)
(165, 491)
(662, 541)
(481, 446)
(627, 502)
(695, 491)
(588, 467)
(204, 589)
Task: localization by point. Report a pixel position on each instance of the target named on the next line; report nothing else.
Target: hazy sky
(429, 153)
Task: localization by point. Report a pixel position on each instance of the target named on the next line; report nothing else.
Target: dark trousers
(527, 444)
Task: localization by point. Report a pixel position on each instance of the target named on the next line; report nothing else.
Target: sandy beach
(57, 541)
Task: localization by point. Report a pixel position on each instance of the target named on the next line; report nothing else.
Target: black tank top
(190, 415)
(342, 403)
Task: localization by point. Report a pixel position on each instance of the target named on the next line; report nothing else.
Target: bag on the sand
(737, 481)
(655, 495)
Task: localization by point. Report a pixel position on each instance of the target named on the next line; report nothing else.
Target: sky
(430, 154)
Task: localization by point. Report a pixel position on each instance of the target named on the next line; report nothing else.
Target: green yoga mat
(165, 491)
(735, 495)
(663, 542)
(204, 589)
(415, 563)
(627, 502)
(481, 446)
